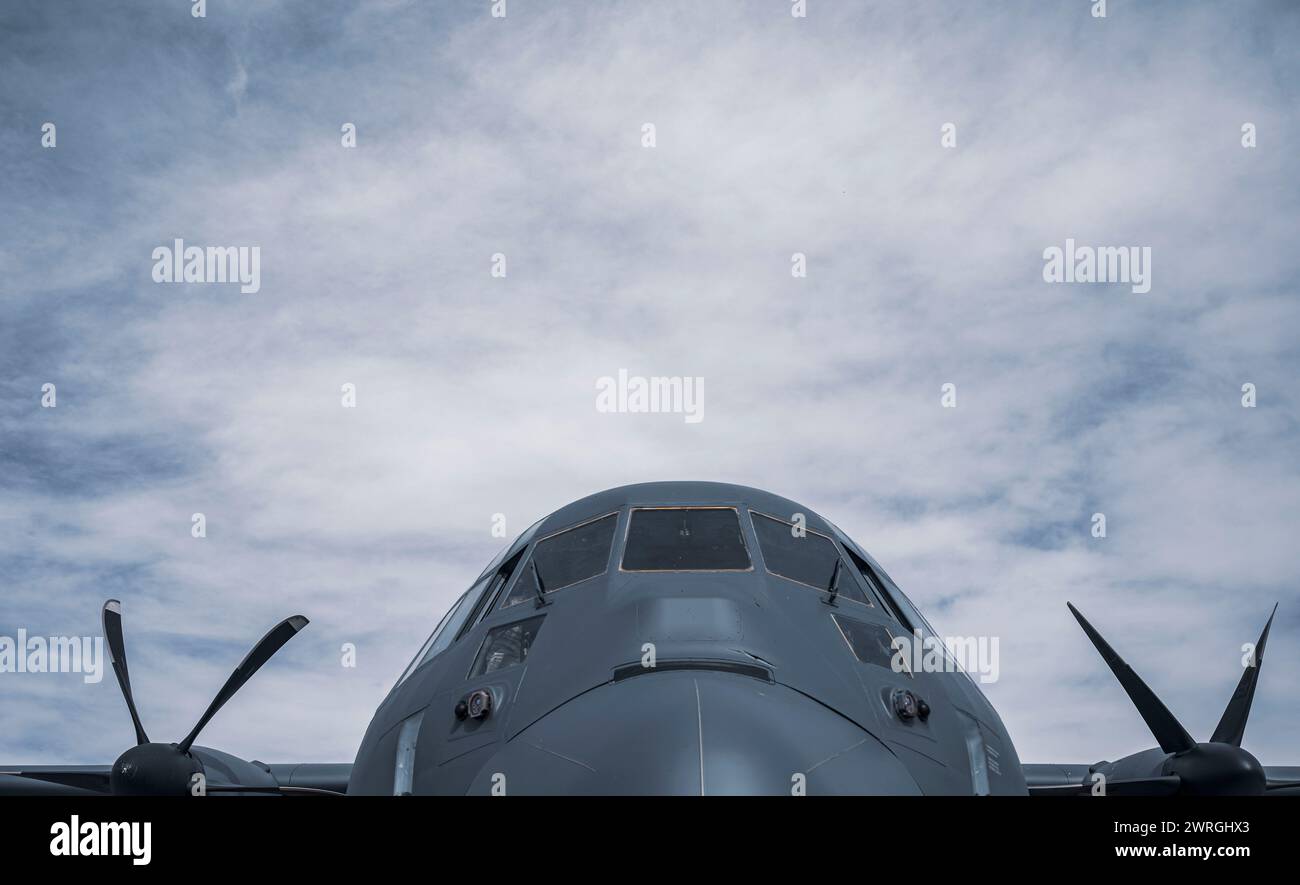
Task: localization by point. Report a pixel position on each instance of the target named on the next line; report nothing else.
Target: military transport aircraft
(682, 638)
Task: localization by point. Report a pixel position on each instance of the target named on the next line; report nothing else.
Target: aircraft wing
(293, 778)
(1046, 779)
(331, 776)
(1072, 779)
(53, 780)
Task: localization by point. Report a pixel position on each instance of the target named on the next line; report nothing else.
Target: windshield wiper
(538, 586)
(835, 583)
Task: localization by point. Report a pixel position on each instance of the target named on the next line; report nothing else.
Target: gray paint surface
(754, 691)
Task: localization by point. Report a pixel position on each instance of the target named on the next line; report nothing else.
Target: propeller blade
(252, 662)
(1168, 731)
(1232, 727)
(112, 620)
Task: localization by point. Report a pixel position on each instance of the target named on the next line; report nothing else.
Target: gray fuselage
(704, 652)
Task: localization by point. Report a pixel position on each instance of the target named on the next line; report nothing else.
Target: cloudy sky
(475, 395)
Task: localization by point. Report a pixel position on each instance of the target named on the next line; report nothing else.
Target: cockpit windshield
(566, 558)
(685, 539)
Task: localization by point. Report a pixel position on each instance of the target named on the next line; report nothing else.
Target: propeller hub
(153, 770)
(1218, 770)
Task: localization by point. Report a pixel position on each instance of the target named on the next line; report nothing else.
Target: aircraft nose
(694, 732)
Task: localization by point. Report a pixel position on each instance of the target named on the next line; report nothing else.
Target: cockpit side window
(500, 578)
(685, 539)
(565, 558)
(448, 628)
(506, 646)
(902, 608)
(872, 644)
(869, 575)
(428, 643)
(804, 556)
